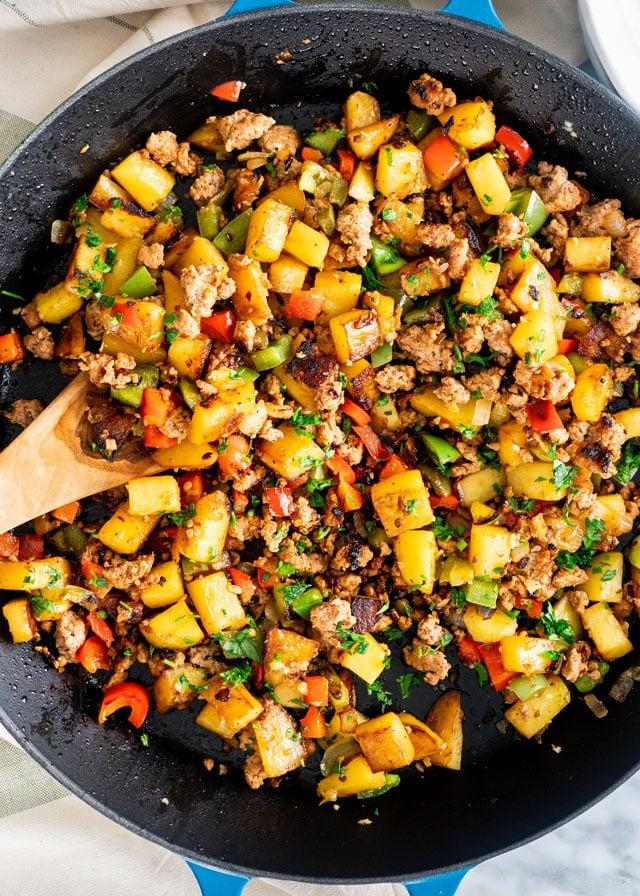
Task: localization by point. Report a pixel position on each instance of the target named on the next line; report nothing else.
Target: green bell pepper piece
(192, 568)
(70, 540)
(325, 141)
(419, 123)
(440, 450)
(273, 355)
(326, 219)
(209, 218)
(585, 683)
(390, 285)
(189, 392)
(139, 285)
(390, 781)
(529, 207)
(482, 592)
(634, 553)
(525, 686)
(131, 394)
(319, 181)
(384, 258)
(577, 362)
(304, 603)
(439, 482)
(233, 237)
(378, 536)
(382, 355)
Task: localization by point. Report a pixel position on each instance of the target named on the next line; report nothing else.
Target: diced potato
(174, 629)
(480, 486)
(168, 586)
(279, 744)
(592, 393)
(526, 654)
(123, 267)
(57, 303)
(34, 575)
(127, 221)
(385, 743)
(340, 291)
(287, 274)
(535, 290)
(286, 654)
(291, 456)
(105, 190)
(307, 245)
(534, 338)
(535, 480)
(609, 287)
(565, 363)
(199, 251)
(54, 605)
(298, 390)
(479, 282)
(445, 718)
(606, 632)
(207, 136)
(218, 418)
(356, 777)
(455, 415)
(530, 717)
(349, 719)
(471, 124)
(289, 694)
(385, 310)
(367, 663)
(289, 194)
(217, 603)
(141, 336)
(630, 419)
(355, 334)
(360, 110)
(366, 141)
(177, 688)
(614, 514)
(362, 186)
(153, 494)
(425, 741)
(563, 609)
(228, 709)
(402, 218)
(186, 456)
(420, 278)
(83, 268)
(605, 578)
(385, 415)
(400, 171)
(416, 553)
(402, 502)
(19, 618)
(125, 532)
(587, 253)
(489, 184)
(188, 354)
(489, 549)
(480, 512)
(146, 181)
(204, 542)
(269, 227)
(488, 629)
(455, 571)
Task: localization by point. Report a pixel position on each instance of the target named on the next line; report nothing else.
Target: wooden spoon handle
(45, 467)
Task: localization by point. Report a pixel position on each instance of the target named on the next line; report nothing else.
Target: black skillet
(509, 791)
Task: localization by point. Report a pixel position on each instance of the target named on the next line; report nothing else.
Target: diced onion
(623, 685)
(169, 201)
(343, 748)
(60, 232)
(596, 706)
(481, 412)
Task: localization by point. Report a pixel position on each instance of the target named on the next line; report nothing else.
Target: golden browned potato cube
(127, 221)
(177, 688)
(269, 227)
(400, 171)
(527, 654)
(366, 658)
(228, 709)
(385, 743)
(530, 717)
(360, 110)
(307, 245)
(176, 628)
(605, 578)
(167, 586)
(217, 603)
(445, 718)
(146, 181)
(125, 532)
(340, 291)
(153, 494)
(402, 502)
(204, 541)
(186, 456)
(34, 575)
(356, 777)
(252, 289)
(366, 141)
(592, 393)
(471, 124)
(587, 253)
(355, 334)
(489, 550)
(606, 632)
(425, 741)
(286, 654)
(291, 456)
(278, 740)
(22, 626)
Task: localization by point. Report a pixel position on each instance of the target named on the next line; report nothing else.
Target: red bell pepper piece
(279, 501)
(543, 416)
(11, 348)
(338, 465)
(517, 148)
(266, 578)
(127, 314)
(229, 91)
(31, 547)
(243, 581)
(126, 695)
(556, 273)
(155, 407)
(221, 326)
(309, 154)
(233, 456)
(566, 346)
(349, 496)
(313, 724)
(304, 303)
(258, 674)
(9, 545)
(393, 466)
(442, 158)
(68, 512)
(468, 651)
(372, 443)
(358, 414)
(239, 500)
(191, 487)
(532, 607)
(449, 502)
(346, 163)
(100, 627)
(155, 438)
(90, 572)
(492, 658)
(93, 655)
(317, 690)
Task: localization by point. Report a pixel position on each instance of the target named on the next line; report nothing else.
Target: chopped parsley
(444, 532)
(315, 487)
(285, 569)
(170, 332)
(629, 462)
(393, 634)
(237, 674)
(488, 456)
(171, 213)
(181, 517)
(408, 681)
(351, 641)
(388, 214)
(481, 671)
(375, 689)
(40, 605)
(291, 592)
(555, 627)
(522, 505)
(563, 474)
(458, 597)
(552, 655)
(301, 420)
(144, 739)
(98, 582)
(239, 645)
(594, 529)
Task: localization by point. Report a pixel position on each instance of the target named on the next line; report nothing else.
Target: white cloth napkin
(51, 843)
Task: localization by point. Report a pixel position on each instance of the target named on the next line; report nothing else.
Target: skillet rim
(516, 45)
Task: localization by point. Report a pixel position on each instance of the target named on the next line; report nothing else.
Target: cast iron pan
(509, 791)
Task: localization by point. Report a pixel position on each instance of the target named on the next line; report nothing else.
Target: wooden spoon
(46, 467)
